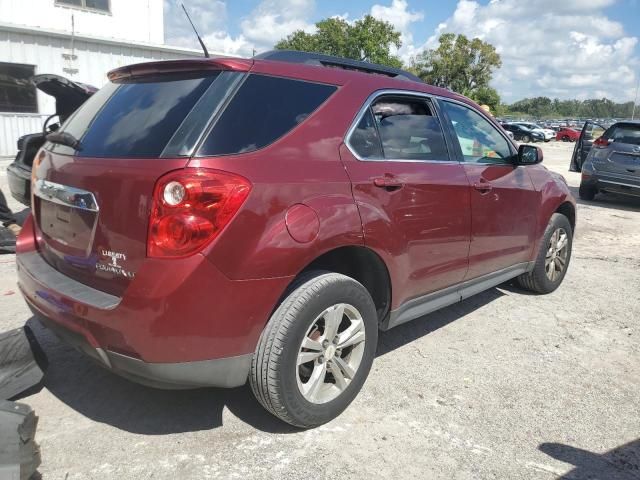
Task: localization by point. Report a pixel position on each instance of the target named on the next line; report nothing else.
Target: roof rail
(319, 59)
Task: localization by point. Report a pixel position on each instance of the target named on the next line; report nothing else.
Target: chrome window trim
(393, 91)
(372, 98)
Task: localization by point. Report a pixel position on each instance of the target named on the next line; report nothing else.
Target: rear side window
(135, 118)
(399, 128)
(263, 110)
(625, 134)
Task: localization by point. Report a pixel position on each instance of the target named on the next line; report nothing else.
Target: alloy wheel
(330, 353)
(557, 254)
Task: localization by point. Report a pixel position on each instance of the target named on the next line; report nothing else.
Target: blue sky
(565, 49)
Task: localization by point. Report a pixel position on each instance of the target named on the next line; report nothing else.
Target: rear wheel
(553, 257)
(587, 192)
(316, 351)
(526, 139)
(566, 138)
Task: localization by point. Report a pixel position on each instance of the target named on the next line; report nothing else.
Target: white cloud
(567, 49)
(398, 15)
(270, 21)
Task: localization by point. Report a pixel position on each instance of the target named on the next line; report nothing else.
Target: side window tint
(263, 110)
(479, 140)
(365, 140)
(409, 130)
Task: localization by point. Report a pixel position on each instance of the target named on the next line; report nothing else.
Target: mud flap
(22, 363)
(19, 453)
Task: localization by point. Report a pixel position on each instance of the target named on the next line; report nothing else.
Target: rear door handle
(389, 183)
(483, 186)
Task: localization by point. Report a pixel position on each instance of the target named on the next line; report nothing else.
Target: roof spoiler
(321, 60)
(177, 66)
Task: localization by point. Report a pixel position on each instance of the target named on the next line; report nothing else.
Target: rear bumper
(221, 372)
(179, 324)
(610, 182)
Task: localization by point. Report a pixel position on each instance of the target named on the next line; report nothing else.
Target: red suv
(212, 221)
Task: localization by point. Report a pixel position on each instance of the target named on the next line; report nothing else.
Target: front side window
(17, 93)
(102, 5)
(263, 110)
(479, 140)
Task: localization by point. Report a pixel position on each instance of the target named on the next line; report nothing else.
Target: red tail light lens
(601, 142)
(190, 208)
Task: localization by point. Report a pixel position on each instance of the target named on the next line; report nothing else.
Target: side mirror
(529, 155)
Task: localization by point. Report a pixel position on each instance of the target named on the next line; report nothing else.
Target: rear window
(263, 110)
(626, 134)
(135, 118)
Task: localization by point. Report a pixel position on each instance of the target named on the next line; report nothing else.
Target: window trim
(512, 148)
(435, 101)
(418, 96)
(84, 8)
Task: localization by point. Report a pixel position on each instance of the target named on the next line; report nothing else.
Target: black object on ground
(22, 363)
(7, 240)
(19, 452)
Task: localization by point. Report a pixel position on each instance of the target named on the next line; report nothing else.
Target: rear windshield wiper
(64, 138)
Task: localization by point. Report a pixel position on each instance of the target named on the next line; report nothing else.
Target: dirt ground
(505, 385)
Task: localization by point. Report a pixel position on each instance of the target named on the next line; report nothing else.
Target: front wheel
(565, 138)
(316, 351)
(526, 139)
(553, 257)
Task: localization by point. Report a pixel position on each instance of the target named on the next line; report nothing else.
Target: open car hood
(69, 95)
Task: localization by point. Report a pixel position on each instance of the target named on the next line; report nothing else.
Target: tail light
(601, 142)
(190, 209)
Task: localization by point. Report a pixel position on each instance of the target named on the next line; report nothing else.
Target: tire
(586, 192)
(526, 139)
(538, 279)
(566, 138)
(275, 376)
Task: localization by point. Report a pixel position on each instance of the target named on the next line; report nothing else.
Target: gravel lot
(505, 385)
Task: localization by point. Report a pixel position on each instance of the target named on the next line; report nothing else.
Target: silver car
(612, 163)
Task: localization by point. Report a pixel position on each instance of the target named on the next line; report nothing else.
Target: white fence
(13, 126)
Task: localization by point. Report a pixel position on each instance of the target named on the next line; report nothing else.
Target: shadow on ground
(610, 201)
(621, 463)
(106, 398)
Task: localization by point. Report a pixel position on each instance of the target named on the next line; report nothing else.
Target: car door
(413, 198)
(503, 198)
(590, 132)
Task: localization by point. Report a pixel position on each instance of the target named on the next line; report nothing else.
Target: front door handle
(483, 186)
(388, 182)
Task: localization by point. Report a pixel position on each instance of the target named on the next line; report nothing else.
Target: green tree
(486, 95)
(459, 64)
(367, 39)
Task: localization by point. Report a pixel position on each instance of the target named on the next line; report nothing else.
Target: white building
(78, 39)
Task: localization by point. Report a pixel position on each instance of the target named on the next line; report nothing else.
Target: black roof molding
(320, 60)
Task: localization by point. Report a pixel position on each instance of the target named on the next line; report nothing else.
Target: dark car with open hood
(69, 95)
(217, 221)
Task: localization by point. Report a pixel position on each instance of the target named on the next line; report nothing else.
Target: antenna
(206, 53)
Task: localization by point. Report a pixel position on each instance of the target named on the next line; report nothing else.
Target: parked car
(203, 222)
(567, 134)
(589, 132)
(613, 162)
(523, 134)
(548, 134)
(69, 96)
